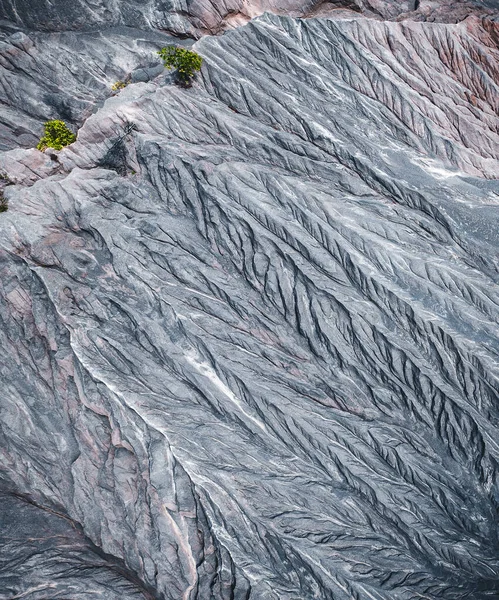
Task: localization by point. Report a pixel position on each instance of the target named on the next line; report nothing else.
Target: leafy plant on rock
(57, 135)
(186, 62)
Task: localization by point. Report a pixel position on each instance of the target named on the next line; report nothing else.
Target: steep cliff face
(250, 328)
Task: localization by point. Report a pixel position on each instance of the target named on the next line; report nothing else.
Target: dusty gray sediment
(256, 356)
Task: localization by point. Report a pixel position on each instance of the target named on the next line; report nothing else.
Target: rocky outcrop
(250, 328)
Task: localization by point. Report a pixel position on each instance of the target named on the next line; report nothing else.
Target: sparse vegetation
(5, 178)
(57, 135)
(186, 62)
(117, 156)
(3, 203)
(119, 85)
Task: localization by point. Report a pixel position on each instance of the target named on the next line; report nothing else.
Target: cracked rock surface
(250, 327)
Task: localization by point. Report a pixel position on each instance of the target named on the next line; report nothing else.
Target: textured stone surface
(36, 87)
(250, 348)
(198, 17)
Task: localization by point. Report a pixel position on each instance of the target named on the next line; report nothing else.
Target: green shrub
(187, 62)
(57, 135)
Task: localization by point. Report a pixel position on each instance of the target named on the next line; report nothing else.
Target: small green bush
(187, 62)
(57, 135)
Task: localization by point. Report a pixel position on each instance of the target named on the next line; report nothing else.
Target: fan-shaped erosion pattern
(249, 328)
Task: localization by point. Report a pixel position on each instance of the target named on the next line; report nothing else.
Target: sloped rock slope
(250, 346)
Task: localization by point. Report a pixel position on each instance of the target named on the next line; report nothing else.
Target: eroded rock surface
(66, 75)
(250, 349)
(199, 17)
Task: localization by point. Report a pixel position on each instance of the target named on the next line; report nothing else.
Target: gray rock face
(36, 88)
(250, 345)
(199, 17)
